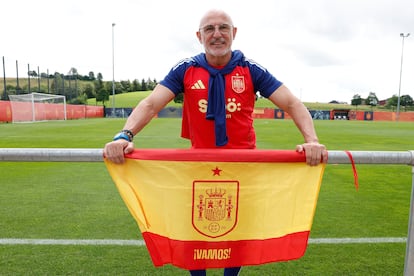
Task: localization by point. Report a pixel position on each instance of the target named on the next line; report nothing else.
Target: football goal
(37, 107)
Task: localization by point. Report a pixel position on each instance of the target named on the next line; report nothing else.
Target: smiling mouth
(217, 42)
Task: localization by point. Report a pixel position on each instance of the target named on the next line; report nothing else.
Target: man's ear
(234, 32)
(199, 37)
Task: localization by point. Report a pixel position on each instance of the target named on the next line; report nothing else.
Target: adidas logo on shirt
(198, 85)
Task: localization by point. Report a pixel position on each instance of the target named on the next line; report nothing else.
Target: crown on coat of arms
(216, 192)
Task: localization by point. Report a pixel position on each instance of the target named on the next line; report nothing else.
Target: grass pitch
(79, 201)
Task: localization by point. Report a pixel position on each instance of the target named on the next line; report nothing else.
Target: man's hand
(114, 151)
(315, 153)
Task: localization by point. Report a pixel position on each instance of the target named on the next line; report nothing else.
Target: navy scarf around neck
(216, 107)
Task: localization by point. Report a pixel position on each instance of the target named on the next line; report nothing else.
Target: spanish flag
(215, 208)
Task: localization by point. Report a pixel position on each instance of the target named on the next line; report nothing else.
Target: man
(219, 89)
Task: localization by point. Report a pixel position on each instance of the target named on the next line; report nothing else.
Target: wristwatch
(124, 134)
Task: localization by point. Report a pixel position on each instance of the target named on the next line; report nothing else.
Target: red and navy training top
(241, 86)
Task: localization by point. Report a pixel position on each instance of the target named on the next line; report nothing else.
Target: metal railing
(335, 157)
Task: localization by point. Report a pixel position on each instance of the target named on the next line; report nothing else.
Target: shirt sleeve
(263, 81)
(174, 80)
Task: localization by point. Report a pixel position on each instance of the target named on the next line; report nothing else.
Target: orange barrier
(5, 112)
(392, 116)
(268, 113)
(381, 116)
(47, 111)
(84, 111)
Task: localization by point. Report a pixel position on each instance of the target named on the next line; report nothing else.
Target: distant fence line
(335, 157)
(271, 113)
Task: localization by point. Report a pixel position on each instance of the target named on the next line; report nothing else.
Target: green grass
(79, 201)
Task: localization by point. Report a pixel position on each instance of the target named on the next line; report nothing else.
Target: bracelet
(129, 133)
(122, 135)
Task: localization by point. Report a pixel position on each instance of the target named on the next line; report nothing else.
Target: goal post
(35, 107)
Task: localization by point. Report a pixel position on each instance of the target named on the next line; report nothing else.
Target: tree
(405, 101)
(372, 99)
(151, 84)
(73, 75)
(126, 86)
(91, 76)
(392, 102)
(136, 86)
(102, 94)
(356, 100)
(73, 72)
(89, 91)
(99, 82)
(58, 84)
(144, 85)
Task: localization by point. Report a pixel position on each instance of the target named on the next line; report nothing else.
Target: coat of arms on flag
(215, 207)
(255, 207)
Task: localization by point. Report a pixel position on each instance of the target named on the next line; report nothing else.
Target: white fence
(335, 157)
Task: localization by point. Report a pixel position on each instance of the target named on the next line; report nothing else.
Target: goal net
(37, 107)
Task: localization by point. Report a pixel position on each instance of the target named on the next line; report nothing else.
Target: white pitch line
(357, 240)
(142, 243)
(70, 242)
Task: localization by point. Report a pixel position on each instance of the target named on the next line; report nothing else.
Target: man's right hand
(114, 151)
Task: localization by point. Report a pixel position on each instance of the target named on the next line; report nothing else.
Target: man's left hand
(315, 153)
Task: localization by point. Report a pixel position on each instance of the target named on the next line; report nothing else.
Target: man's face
(216, 33)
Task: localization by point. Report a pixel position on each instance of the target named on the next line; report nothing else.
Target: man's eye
(209, 28)
(224, 28)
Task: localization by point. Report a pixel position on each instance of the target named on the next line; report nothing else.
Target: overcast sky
(322, 50)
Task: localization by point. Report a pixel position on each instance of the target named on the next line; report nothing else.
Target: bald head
(216, 32)
(213, 17)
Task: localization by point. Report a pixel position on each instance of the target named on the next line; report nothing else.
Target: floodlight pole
(17, 78)
(28, 77)
(403, 36)
(113, 72)
(4, 82)
(38, 79)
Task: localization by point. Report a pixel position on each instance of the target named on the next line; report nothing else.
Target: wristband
(122, 135)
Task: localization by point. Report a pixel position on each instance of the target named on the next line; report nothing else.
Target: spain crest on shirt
(237, 84)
